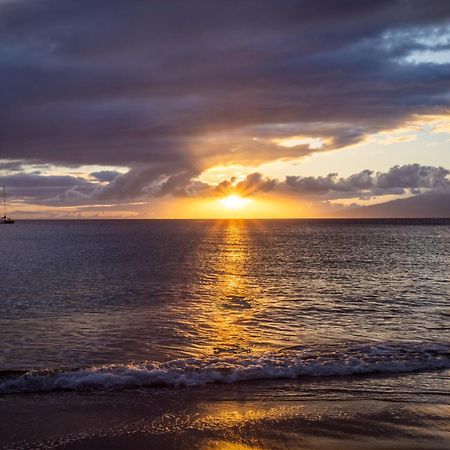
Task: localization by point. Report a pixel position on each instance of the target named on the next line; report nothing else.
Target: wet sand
(240, 416)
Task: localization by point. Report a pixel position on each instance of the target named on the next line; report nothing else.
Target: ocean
(225, 334)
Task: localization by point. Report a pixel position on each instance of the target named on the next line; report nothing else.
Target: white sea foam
(292, 363)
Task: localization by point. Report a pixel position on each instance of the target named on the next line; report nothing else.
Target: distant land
(420, 206)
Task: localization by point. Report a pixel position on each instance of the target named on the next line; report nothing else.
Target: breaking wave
(314, 361)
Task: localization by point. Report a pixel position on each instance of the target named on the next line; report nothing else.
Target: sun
(234, 201)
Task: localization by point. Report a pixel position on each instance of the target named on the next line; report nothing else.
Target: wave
(295, 362)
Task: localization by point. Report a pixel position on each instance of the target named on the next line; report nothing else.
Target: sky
(194, 109)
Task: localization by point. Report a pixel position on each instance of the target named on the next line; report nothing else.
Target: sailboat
(5, 219)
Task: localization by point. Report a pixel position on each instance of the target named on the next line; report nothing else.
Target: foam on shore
(314, 361)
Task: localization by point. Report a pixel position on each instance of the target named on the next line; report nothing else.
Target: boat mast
(4, 201)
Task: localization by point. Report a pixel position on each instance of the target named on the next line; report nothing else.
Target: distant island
(419, 206)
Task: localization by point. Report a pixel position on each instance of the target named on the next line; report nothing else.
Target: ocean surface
(266, 310)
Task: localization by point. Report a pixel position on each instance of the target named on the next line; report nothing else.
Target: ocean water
(300, 309)
(158, 299)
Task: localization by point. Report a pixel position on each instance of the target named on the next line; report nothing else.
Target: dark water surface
(316, 293)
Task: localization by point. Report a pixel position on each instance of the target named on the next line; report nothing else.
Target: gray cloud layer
(142, 83)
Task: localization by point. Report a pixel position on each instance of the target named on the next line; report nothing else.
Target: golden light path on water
(233, 310)
(230, 314)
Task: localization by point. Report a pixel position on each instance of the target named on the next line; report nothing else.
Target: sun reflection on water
(222, 317)
(232, 307)
(231, 314)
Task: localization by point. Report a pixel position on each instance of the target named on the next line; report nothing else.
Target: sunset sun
(234, 201)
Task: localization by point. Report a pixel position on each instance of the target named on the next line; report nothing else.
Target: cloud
(36, 188)
(105, 175)
(11, 166)
(413, 176)
(144, 182)
(409, 178)
(154, 182)
(171, 88)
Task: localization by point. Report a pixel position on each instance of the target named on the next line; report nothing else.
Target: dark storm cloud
(141, 84)
(145, 182)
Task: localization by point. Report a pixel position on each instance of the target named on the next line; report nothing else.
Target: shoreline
(340, 414)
